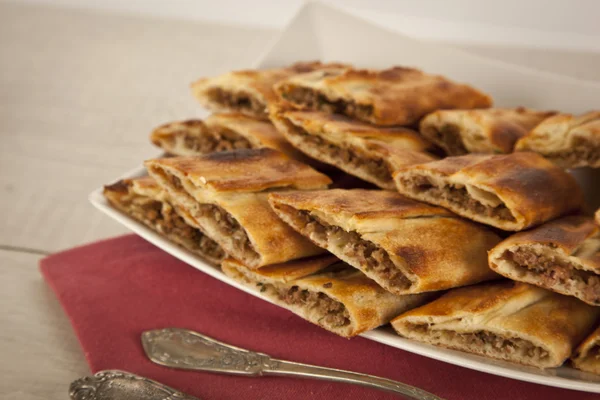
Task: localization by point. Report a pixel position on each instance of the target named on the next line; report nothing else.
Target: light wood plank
(40, 353)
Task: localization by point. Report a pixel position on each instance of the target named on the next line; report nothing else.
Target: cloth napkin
(114, 290)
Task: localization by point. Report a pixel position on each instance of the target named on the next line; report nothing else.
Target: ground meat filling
(331, 312)
(175, 181)
(220, 140)
(552, 271)
(174, 224)
(373, 259)
(457, 196)
(376, 167)
(594, 353)
(165, 220)
(450, 136)
(209, 247)
(582, 151)
(149, 211)
(224, 222)
(240, 101)
(489, 342)
(311, 99)
(228, 226)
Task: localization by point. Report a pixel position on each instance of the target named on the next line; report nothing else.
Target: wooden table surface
(79, 93)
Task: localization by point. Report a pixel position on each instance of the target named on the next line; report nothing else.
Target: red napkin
(115, 289)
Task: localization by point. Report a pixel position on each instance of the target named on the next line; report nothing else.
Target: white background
(556, 24)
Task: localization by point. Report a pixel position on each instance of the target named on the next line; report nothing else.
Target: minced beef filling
(450, 136)
(553, 271)
(209, 246)
(227, 225)
(220, 141)
(238, 101)
(372, 258)
(581, 150)
(331, 312)
(482, 339)
(375, 166)
(313, 100)
(175, 181)
(457, 196)
(167, 221)
(594, 353)
(149, 211)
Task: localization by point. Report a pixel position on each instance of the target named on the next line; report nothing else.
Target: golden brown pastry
(403, 245)
(326, 292)
(598, 216)
(562, 255)
(143, 200)
(395, 96)
(248, 91)
(369, 152)
(506, 320)
(587, 355)
(511, 192)
(567, 140)
(490, 131)
(220, 132)
(226, 194)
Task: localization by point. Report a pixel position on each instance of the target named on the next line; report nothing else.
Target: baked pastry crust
(226, 194)
(562, 255)
(510, 192)
(220, 132)
(248, 91)
(367, 151)
(567, 140)
(326, 292)
(144, 200)
(490, 131)
(395, 96)
(506, 320)
(587, 355)
(405, 246)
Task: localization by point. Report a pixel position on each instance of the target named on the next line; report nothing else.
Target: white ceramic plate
(324, 33)
(563, 377)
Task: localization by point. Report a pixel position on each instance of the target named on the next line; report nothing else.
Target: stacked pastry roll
(225, 193)
(471, 238)
(506, 320)
(569, 141)
(326, 292)
(403, 245)
(145, 201)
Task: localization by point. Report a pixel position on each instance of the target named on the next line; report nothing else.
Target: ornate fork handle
(121, 385)
(181, 348)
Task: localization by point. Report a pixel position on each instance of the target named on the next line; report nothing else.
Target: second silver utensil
(121, 385)
(182, 348)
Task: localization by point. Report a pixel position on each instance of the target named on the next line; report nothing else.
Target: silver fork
(182, 348)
